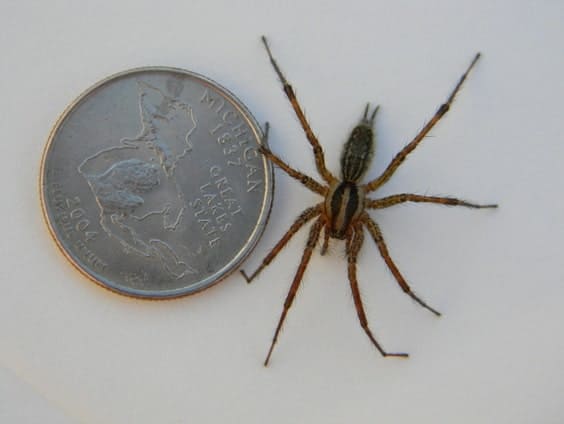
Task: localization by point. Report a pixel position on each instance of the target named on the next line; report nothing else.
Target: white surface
(73, 352)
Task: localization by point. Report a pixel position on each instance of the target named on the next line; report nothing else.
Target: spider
(343, 212)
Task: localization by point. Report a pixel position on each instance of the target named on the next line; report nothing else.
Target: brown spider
(342, 214)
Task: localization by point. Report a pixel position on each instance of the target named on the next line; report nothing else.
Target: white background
(72, 352)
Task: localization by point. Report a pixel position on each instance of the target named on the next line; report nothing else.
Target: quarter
(152, 185)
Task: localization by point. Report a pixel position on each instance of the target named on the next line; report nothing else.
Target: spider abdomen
(344, 204)
(357, 153)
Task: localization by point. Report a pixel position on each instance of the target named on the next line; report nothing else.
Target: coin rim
(220, 274)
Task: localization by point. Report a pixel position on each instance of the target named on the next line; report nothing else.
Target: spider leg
(317, 150)
(376, 234)
(386, 202)
(354, 243)
(400, 157)
(304, 217)
(325, 244)
(311, 242)
(302, 178)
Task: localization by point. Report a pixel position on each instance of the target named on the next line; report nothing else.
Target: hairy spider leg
(306, 180)
(304, 218)
(354, 243)
(386, 202)
(325, 245)
(317, 149)
(401, 156)
(311, 242)
(376, 234)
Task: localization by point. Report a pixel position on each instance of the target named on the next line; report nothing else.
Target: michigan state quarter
(152, 183)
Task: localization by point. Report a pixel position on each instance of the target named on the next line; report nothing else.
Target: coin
(152, 184)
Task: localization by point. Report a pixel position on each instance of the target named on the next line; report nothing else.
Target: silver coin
(152, 184)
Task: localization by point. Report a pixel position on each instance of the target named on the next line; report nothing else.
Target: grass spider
(343, 212)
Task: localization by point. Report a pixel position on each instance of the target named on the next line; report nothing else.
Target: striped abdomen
(357, 153)
(343, 205)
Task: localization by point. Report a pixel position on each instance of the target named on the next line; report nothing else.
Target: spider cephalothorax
(343, 213)
(344, 202)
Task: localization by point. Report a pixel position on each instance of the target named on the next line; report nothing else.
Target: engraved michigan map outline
(123, 177)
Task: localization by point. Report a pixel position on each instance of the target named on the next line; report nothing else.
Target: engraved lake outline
(159, 199)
